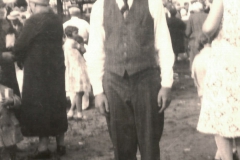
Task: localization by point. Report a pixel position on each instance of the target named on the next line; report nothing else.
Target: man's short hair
(69, 30)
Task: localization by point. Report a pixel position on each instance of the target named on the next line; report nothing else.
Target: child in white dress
(76, 78)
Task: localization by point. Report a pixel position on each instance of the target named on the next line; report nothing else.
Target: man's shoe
(235, 156)
(40, 155)
(61, 150)
(70, 114)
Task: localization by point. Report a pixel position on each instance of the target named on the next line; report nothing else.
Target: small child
(10, 133)
(76, 78)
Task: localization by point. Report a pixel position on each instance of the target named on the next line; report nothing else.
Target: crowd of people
(125, 58)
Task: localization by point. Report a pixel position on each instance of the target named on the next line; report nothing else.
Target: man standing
(128, 43)
(39, 49)
(176, 28)
(194, 28)
(82, 25)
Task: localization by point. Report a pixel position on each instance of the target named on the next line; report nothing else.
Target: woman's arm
(214, 18)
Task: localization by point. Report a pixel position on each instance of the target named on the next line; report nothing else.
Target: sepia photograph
(119, 79)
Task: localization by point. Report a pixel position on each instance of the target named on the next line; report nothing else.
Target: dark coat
(39, 49)
(177, 28)
(194, 25)
(10, 133)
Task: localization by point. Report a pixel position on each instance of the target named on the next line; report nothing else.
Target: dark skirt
(43, 120)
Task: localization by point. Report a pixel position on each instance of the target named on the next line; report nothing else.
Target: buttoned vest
(129, 42)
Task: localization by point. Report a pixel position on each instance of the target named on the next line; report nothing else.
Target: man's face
(177, 6)
(186, 6)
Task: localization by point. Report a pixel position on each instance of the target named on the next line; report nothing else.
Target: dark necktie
(125, 9)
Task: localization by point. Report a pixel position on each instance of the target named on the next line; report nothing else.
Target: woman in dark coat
(39, 49)
(176, 28)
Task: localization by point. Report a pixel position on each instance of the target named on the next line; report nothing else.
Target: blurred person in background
(194, 28)
(6, 56)
(186, 6)
(177, 32)
(12, 35)
(178, 8)
(81, 24)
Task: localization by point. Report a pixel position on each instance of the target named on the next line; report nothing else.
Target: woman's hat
(40, 2)
(13, 15)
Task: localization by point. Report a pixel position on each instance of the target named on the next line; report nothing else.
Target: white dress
(76, 77)
(220, 112)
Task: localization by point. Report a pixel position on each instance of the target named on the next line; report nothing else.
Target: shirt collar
(120, 3)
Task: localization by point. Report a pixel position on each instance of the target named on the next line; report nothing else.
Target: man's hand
(164, 98)
(8, 56)
(101, 102)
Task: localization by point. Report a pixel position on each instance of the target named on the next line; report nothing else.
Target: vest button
(125, 44)
(125, 54)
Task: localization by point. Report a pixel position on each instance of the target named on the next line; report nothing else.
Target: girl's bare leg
(224, 146)
(79, 96)
(73, 105)
(43, 144)
(217, 155)
(237, 142)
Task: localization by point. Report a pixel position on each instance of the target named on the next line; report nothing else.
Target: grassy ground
(180, 140)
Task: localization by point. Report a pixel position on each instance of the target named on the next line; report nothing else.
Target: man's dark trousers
(134, 120)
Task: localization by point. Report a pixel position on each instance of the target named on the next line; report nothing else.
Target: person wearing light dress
(220, 110)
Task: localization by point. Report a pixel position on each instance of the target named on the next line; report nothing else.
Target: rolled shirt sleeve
(95, 55)
(163, 44)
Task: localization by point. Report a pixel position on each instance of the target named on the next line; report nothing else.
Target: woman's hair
(79, 39)
(69, 30)
(202, 40)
